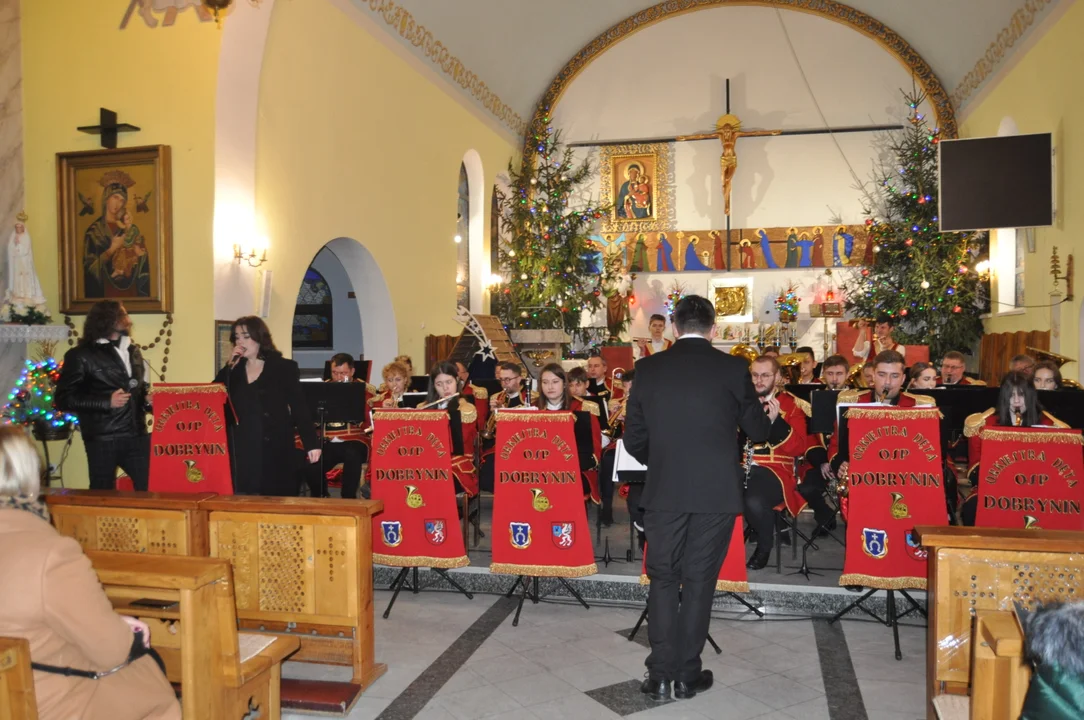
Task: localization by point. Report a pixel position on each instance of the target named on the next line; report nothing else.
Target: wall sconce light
(983, 269)
(458, 238)
(495, 281)
(251, 255)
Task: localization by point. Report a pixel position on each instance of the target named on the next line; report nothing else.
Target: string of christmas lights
(30, 402)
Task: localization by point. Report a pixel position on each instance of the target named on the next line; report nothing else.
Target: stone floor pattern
(451, 658)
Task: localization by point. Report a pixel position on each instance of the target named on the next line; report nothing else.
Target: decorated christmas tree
(550, 271)
(30, 402)
(924, 278)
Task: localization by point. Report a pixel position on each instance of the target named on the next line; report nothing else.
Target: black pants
(762, 494)
(606, 484)
(685, 553)
(104, 455)
(352, 455)
(485, 474)
(812, 489)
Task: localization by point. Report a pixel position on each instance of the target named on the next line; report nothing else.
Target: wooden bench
(132, 522)
(303, 568)
(977, 570)
(222, 673)
(17, 701)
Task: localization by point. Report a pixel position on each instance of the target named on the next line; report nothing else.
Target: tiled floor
(567, 662)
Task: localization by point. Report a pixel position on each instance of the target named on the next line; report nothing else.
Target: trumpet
(490, 430)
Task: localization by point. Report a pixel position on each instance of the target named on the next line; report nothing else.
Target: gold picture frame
(637, 184)
(115, 228)
(732, 298)
(223, 344)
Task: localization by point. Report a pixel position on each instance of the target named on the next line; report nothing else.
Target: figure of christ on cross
(728, 130)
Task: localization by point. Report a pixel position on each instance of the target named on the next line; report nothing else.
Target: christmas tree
(30, 402)
(924, 278)
(549, 269)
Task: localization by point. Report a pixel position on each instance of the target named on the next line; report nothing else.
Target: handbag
(137, 651)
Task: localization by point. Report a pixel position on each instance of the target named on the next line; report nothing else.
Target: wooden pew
(972, 570)
(303, 568)
(223, 674)
(133, 522)
(17, 701)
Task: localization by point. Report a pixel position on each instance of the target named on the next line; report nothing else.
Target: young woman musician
(614, 431)
(556, 396)
(923, 376)
(444, 395)
(396, 379)
(1017, 406)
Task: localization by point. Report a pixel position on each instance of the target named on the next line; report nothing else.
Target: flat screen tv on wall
(997, 182)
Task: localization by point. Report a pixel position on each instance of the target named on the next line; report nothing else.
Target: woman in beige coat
(50, 595)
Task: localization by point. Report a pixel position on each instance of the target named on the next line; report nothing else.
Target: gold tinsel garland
(166, 331)
(720, 585)
(880, 583)
(887, 414)
(415, 416)
(209, 388)
(523, 416)
(1054, 436)
(543, 570)
(420, 561)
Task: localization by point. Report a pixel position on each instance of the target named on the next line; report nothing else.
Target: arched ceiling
(505, 53)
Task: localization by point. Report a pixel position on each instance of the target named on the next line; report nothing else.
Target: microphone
(132, 384)
(237, 353)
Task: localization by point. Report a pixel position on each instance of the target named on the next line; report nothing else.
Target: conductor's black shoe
(655, 689)
(784, 538)
(759, 559)
(686, 690)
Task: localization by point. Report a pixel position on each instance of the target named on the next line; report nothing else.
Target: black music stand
(334, 403)
(414, 399)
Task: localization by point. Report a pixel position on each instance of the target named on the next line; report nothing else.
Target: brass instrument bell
(747, 352)
(790, 367)
(854, 377)
(1059, 360)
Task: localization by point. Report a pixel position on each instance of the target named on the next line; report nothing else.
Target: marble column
(11, 118)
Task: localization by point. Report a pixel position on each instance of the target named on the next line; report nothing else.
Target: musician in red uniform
(1017, 406)
(346, 443)
(656, 326)
(475, 393)
(396, 380)
(556, 396)
(513, 394)
(834, 371)
(882, 339)
(808, 365)
(952, 370)
(600, 388)
(770, 476)
(444, 394)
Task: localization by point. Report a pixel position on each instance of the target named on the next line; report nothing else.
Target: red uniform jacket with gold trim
(649, 350)
(905, 400)
(779, 458)
(590, 406)
(463, 467)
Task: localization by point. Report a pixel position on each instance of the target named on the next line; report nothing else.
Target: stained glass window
(312, 313)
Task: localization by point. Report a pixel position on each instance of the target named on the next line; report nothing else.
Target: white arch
(380, 335)
(476, 250)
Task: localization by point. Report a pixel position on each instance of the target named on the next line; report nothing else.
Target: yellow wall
(75, 60)
(1043, 93)
(354, 142)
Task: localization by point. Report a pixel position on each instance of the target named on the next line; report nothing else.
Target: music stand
(823, 419)
(336, 403)
(419, 383)
(413, 399)
(630, 470)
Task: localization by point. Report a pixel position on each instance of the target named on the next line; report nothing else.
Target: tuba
(854, 377)
(790, 368)
(747, 352)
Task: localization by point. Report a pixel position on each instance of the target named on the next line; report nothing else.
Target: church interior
(579, 169)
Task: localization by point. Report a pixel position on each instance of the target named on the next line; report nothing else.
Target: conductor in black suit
(682, 421)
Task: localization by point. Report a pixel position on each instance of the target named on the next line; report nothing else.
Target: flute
(438, 401)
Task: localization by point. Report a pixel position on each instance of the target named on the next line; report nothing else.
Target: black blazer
(682, 421)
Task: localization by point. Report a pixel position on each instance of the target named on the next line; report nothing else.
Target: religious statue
(115, 262)
(728, 130)
(634, 198)
(23, 293)
(616, 285)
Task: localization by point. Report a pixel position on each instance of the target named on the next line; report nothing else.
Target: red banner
(539, 520)
(1031, 478)
(189, 451)
(894, 483)
(411, 471)
(732, 575)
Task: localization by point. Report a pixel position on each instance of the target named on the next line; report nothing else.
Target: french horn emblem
(413, 497)
(898, 508)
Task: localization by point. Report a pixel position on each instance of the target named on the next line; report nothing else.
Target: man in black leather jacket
(102, 383)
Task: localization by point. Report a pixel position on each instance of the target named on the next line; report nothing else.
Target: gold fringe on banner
(420, 561)
(543, 570)
(514, 416)
(856, 413)
(181, 389)
(410, 416)
(880, 583)
(1055, 436)
(720, 585)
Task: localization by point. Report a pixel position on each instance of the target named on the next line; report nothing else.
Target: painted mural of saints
(634, 198)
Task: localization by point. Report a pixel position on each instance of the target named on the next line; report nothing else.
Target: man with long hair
(103, 383)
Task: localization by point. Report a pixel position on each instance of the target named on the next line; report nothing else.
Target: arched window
(312, 313)
(463, 239)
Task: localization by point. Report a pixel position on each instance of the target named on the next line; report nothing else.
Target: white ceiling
(517, 47)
